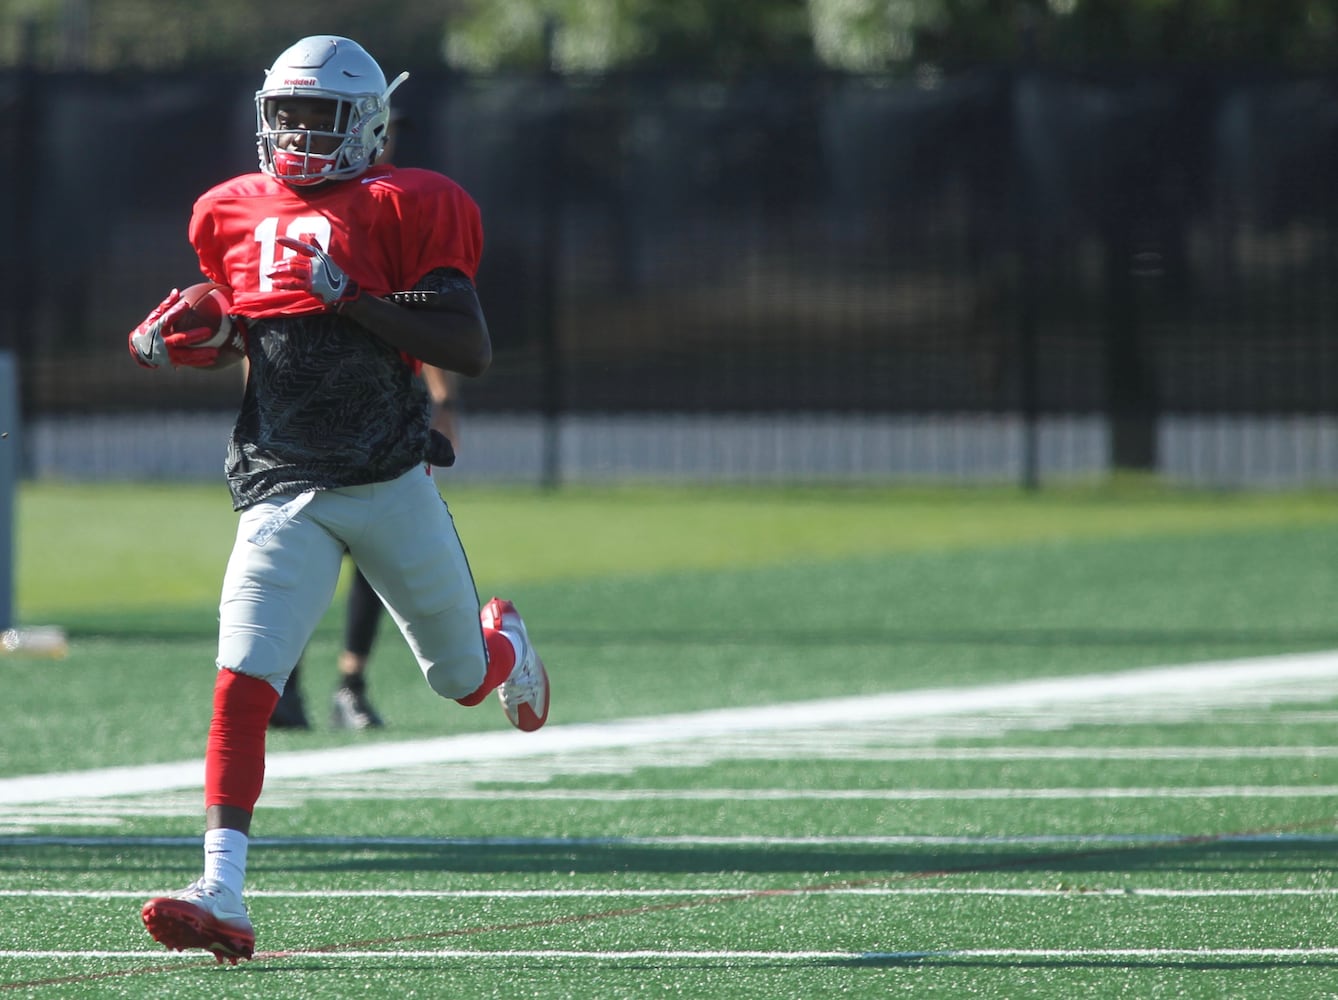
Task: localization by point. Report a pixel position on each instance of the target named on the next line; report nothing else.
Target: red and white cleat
(524, 695)
(205, 915)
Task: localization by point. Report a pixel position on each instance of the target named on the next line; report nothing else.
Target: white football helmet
(339, 70)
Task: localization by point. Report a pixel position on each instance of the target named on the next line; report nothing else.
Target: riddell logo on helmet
(300, 81)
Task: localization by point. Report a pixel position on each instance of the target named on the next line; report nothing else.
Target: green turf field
(985, 816)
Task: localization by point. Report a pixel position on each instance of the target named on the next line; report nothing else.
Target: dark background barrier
(1129, 245)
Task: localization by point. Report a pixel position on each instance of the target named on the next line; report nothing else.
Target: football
(208, 305)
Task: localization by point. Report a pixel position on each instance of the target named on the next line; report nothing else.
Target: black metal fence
(1124, 245)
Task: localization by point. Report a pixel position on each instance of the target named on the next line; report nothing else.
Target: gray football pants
(285, 566)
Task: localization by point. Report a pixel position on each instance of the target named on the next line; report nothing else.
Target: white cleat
(524, 695)
(205, 914)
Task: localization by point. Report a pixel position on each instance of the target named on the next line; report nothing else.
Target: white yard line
(1140, 754)
(1059, 893)
(929, 957)
(892, 794)
(1250, 682)
(751, 840)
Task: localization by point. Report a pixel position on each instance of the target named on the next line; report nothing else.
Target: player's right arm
(157, 341)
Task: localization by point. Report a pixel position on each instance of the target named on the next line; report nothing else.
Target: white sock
(225, 857)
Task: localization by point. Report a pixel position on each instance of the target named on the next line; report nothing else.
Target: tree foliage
(708, 36)
(234, 34)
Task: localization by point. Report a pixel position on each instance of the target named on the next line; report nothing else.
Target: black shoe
(350, 709)
(290, 713)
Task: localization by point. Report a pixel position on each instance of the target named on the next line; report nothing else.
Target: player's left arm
(447, 329)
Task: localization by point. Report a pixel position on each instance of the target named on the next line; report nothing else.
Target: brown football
(208, 306)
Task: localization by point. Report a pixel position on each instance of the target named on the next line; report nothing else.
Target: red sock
(234, 758)
(501, 659)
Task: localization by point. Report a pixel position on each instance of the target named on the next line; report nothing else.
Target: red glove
(183, 354)
(156, 340)
(313, 271)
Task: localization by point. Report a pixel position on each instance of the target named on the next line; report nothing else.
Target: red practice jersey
(386, 229)
(328, 404)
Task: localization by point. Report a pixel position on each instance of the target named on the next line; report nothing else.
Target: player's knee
(274, 678)
(246, 653)
(456, 676)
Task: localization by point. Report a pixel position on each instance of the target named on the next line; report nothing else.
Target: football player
(347, 274)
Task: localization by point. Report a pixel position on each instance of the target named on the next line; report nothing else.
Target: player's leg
(279, 581)
(524, 692)
(351, 708)
(414, 559)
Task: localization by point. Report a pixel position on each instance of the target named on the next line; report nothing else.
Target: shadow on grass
(193, 628)
(824, 867)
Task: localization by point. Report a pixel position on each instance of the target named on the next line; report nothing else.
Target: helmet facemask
(334, 82)
(304, 156)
